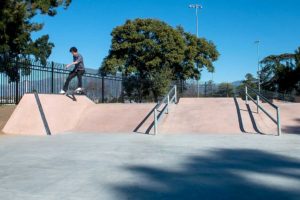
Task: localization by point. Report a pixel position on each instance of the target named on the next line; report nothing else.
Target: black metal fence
(209, 89)
(278, 96)
(194, 89)
(49, 79)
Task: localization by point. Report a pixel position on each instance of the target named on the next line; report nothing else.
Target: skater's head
(74, 51)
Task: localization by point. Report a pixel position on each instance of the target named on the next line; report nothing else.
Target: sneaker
(78, 89)
(62, 92)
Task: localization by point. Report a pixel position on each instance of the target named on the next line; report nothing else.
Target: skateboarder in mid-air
(77, 71)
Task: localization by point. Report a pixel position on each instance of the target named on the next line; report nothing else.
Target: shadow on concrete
(292, 129)
(71, 96)
(253, 120)
(137, 129)
(250, 112)
(238, 110)
(222, 174)
(160, 114)
(151, 126)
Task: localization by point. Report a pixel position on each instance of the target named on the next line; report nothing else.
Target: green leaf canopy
(156, 54)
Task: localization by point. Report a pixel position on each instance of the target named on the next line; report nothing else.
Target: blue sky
(233, 25)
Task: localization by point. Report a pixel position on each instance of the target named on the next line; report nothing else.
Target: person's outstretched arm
(79, 59)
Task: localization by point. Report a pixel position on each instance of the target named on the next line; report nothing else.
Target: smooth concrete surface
(134, 166)
(26, 119)
(114, 118)
(62, 114)
(251, 121)
(290, 114)
(229, 115)
(202, 115)
(190, 115)
(80, 114)
(261, 123)
(214, 115)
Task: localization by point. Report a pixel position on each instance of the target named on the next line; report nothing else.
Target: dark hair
(73, 49)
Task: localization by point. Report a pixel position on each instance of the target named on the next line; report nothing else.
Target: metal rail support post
(155, 122)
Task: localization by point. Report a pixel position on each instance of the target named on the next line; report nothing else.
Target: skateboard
(74, 92)
(71, 94)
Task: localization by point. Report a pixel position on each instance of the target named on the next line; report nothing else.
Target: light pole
(196, 7)
(258, 64)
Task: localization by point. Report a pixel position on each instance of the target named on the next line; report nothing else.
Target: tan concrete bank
(202, 115)
(66, 115)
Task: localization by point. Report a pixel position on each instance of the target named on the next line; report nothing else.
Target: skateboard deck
(74, 92)
(71, 94)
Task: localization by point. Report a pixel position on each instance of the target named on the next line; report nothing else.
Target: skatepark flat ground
(136, 166)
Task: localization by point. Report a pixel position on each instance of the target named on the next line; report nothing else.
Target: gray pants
(73, 74)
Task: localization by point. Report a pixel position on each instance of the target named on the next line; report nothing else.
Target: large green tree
(16, 27)
(281, 73)
(225, 90)
(249, 81)
(154, 54)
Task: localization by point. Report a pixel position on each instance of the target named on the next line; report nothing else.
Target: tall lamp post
(258, 65)
(196, 7)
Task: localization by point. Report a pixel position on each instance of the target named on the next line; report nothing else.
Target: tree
(16, 26)
(225, 90)
(155, 54)
(249, 81)
(279, 72)
(199, 53)
(297, 58)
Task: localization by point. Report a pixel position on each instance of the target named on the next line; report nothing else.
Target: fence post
(52, 77)
(155, 122)
(17, 92)
(122, 90)
(103, 89)
(278, 122)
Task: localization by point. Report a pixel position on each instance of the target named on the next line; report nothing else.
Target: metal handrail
(168, 99)
(260, 96)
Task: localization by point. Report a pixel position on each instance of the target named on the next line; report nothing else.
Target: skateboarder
(77, 71)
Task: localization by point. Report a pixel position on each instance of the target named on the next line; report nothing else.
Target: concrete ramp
(62, 114)
(290, 116)
(229, 115)
(261, 123)
(78, 114)
(253, 122)
(202, 115)
(114, 118)
(190, 115)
